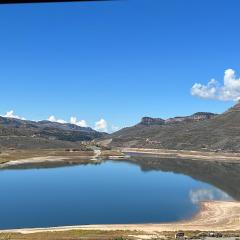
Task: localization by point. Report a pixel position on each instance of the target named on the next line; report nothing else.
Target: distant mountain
(200, 131)
(18, 133)
(195, 117)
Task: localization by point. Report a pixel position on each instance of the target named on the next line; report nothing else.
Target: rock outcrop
(152, 121)
(195, 117)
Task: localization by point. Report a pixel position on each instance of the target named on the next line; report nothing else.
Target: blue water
(112, 192)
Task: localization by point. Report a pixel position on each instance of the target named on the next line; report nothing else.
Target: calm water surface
(112, 192)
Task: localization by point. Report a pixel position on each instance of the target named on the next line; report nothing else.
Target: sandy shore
(184, 154)
(160, 153)
(46, 160)
(33, 160)
(213, 215)
(54, 158)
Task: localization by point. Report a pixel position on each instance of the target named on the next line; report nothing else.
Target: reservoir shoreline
(57, 158)
(185, 154)
(213, 215)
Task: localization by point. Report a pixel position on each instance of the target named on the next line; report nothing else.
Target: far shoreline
(185, 154)
(21, 159)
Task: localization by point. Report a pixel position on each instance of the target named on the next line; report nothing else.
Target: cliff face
(200, 131)
(202, 115)
(152, 121)
(195, 117)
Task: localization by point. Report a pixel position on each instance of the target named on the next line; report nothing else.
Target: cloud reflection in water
(199, 195)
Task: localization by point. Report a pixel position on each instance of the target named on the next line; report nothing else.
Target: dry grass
(105, 235)
(184, 154)
(71, 235)
(10, 155)
(107, 153)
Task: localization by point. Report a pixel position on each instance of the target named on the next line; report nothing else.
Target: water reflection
(224, 176)
(199, 195)
(112, 192)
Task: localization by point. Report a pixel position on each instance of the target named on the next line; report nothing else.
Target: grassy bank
(108, 235)
(73, 235)
(11, 155)
(15, 158)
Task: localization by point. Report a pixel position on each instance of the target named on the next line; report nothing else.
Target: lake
(110, 192)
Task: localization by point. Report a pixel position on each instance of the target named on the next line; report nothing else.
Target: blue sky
(118, 60)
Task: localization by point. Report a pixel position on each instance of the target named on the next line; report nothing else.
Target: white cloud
(73, 120)
(52, 118)
(230, 90)
(81, 123)
(10, 114)
(101, 125)
(205, 91)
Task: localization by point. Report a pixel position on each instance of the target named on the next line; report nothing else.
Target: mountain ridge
(18, 133)
(194, 117)
(199, 131)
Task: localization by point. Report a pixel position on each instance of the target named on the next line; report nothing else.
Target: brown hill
(200, 131)
(16, 133)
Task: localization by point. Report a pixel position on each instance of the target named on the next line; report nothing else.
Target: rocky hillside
(15, 133)
(195, 117)
(200, 131)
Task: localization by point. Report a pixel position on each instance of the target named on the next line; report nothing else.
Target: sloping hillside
(17, 133)
(212, 132)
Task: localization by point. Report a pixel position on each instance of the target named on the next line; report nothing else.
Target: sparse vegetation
(108, 235)
(217, 134)
(72, 157)
(5, 236)
(71, 235)
(24, 134)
